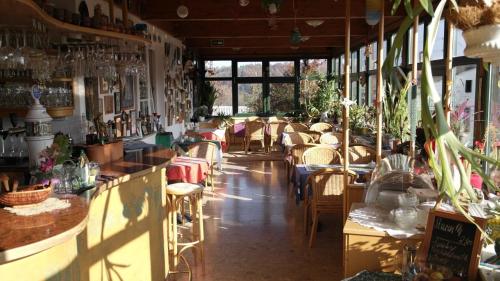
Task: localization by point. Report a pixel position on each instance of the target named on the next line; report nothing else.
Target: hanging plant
(271, 6)
(450, 152)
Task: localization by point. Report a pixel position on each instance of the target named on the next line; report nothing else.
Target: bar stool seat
(176, 193)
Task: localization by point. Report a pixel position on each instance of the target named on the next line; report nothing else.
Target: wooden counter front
(369, 249)
(115, 232)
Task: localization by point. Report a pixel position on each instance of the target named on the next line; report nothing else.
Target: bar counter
(117, 229)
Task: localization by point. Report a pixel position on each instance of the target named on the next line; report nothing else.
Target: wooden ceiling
(246, 31)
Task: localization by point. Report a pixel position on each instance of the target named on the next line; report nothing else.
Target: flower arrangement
(56, 154)
(458, 118)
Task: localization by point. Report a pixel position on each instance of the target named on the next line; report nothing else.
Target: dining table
(184, 145)
(187, 169)
(303, 171)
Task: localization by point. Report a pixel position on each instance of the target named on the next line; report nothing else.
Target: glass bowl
(407, 200)
(406, 218)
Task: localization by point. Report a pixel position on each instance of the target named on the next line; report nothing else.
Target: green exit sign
(217, 42)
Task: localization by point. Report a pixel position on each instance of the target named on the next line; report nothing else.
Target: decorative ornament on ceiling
(182, 11)
(314, 23)
(373, 12)
(295, 36)
(271, 6)
(244, 3)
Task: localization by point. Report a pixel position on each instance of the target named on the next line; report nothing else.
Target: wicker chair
(275, 130)
(295, 158)
(321, 127)
(360, 154)
(193, 134)
(315, 135)
(327, 187)
(205, 150)
(320, 155)
(331, 138)
(298, 137)
(254, 131)
(296, 127)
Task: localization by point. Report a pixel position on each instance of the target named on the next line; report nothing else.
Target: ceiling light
(182, 11)
(273, 9)
(294, 47)
(314, 23)
(244, 3)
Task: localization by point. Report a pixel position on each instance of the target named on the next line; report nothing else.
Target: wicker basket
(29, 195)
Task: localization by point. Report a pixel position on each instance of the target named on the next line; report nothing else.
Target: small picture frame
(103, 86)
(117, 96)
(108, 104)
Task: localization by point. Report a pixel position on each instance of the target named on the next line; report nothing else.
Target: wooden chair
(315, 135)
(275, 130)
(331, 138)
(327, 187)
(254, 131)
(296, 153)
(206, 150)
(360, 154)
(298, 137)
(320, 155)
(296, 127)
(253, 118)
(321, 127)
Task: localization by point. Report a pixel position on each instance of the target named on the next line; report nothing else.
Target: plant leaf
(395, 6)
(408, 8)
(427, 4)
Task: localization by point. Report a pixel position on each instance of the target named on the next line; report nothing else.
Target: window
(250, 98)
(463, 102)
(362, 59)
(313, 65)
(373, 56)
(372, 94)
(218, 69)
(342, 63)
(421, 42)
(335, 68)
(362, 90)
(459, 43)
(354, 91)
(250, 69)
(354, 62)
(438, 51)
(224, 102)
(281, 69)
(282, 97)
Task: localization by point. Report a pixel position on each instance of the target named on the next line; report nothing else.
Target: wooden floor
(254, 231)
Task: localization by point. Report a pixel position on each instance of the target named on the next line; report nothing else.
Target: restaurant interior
(224, 140)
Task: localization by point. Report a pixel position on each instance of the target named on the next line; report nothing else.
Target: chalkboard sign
(454, 242)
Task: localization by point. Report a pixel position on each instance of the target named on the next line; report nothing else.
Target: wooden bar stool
(176, 193)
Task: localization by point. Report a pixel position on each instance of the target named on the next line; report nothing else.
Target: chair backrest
(392, 162)
(315, 135)
(328, 187)
(204, 150)
(321, 155)
(298, 150)
(298, 137)
(296, 127)
(208, 125)
(360, 154)
(330, 138)
(253, 118)
(254, 130)
(276, 128)
(321, 127)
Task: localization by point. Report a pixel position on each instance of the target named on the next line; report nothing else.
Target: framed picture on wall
(127, 99)
(117, 96)
(108, 104)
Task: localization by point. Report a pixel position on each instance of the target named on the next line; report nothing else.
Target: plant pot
(483, 42)
(201, 118)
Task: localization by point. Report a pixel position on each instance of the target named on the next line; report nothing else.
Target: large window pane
(354, 91)
(250, 98)
(438, 51)
(224, 102)
(459, 43)
(281, 69)
(463, 101)
(372, 94)
(313, 65)
(354, 62)
(342, 63)
(373, 56)
(281, 95)
(421, 42)
(362, 90)
(218, 68)
(250, 69)
(362, 59)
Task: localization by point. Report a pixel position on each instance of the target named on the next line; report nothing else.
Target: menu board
(454, 242)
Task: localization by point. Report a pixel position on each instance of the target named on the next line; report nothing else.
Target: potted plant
(320, 102)
(209, 95)
(395, 114)
(201, 112)
(361, 119)
(450, 151)
(223, 120)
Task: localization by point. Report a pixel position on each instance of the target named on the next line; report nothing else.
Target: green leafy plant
(324, 98)
(450, 151)
(201, 111)
(361, 117)
(223, 120)
(395, 113)
(209, 95)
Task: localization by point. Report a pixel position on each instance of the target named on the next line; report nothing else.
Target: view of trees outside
(281, 68)
(250, 69)
(250, 97)
(217, 69)
(224, 102)
(282, 97)
(310, 69)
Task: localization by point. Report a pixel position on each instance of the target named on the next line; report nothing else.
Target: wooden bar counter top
(124, 213)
